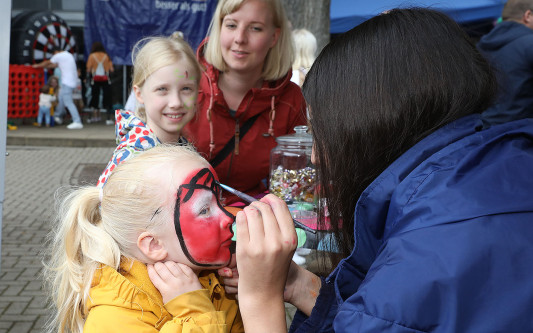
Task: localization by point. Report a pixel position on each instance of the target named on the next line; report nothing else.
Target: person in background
(132, 257)
(77, 93)
(69, 74)
(166, 75)
(53, 83)
(246, 98)
(45, 103)
(305, 46)
(509, 48)
(99, 65)
(432, 211)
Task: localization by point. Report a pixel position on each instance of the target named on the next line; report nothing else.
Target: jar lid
(300, 137)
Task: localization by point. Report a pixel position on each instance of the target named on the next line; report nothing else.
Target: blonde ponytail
(78, 246)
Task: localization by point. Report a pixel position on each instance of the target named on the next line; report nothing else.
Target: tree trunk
(312, 15)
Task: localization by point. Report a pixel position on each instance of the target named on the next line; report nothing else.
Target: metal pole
(5, 33)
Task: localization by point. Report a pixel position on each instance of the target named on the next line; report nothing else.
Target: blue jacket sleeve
(323, 313)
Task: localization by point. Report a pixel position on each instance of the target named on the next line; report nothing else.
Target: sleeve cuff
(193, 303)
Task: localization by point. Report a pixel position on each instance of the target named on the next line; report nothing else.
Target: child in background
(134, 255)
(53, 83)
(45, 103)
(305, 53)
(166, 75)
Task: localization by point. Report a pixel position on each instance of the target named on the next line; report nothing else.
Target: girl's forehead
(181, 69)
(175, 173)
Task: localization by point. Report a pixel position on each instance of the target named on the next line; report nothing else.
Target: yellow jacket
(127, 301)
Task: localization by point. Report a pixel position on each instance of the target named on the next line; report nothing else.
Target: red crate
(23, 96)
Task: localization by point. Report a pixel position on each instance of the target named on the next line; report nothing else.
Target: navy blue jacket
(509, 48)
(444, 240)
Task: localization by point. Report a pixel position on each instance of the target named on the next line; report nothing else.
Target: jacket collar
(263, 94)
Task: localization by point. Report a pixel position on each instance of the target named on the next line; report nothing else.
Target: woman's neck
(235, 86)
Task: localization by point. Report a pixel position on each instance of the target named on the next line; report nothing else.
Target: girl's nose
(226, 220)
(174, 101)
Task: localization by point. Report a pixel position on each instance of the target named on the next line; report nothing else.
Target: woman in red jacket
(246, 98)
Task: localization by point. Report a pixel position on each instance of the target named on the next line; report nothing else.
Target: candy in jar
(292, 175)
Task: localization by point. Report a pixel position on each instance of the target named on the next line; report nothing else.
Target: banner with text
(119, 24)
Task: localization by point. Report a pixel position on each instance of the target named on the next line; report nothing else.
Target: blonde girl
(165, 82)
(131, 257)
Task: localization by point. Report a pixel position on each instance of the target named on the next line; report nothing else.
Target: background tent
(346, 14)
(119, 24)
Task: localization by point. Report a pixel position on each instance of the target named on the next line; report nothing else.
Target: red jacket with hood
(280, 106)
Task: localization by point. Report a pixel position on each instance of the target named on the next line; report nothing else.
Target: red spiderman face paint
(203, 226)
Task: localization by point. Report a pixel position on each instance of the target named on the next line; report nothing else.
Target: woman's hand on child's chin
(173, 279)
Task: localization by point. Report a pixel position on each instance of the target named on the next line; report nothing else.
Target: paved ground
(92, 135)
(32, 176)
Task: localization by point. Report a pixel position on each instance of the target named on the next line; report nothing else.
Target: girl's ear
(151, 247)
(137, 91)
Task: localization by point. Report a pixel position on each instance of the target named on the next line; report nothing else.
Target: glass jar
(292, 175)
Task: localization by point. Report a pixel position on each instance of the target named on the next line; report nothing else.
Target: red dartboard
(34, 33)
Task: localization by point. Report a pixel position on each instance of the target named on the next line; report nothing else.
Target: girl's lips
(175, 116)
(226, 243)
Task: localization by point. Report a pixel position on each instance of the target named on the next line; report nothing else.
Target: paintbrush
(250, 199)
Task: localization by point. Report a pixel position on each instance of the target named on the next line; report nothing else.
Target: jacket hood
(128, 126)
(269, 90)
(133, 137)
(503, 34)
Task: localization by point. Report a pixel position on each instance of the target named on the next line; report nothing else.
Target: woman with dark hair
(432, 212)
(99, 65)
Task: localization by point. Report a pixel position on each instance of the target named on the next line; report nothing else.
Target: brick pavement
(32, 176)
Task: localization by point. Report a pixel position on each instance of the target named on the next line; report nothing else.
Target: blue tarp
(346, 14)
(119, 24)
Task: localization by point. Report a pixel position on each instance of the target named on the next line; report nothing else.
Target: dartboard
(34, 34)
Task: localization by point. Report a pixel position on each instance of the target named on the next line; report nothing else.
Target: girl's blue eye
(204, 211)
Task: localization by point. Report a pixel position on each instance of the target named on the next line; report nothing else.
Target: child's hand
(173, 279)
(230, 277)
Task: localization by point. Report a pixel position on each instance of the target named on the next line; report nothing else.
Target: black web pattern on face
(204, 180)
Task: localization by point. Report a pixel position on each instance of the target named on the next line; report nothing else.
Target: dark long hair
(98, 47)
(377, 90)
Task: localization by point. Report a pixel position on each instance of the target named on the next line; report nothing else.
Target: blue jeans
(65, 100)
(43, 111)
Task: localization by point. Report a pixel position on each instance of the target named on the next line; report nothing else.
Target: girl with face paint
(140, 253)
(165, 81)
